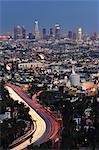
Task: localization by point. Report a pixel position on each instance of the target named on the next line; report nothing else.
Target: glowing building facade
(80, 34)
(36, 30)
(57, 30)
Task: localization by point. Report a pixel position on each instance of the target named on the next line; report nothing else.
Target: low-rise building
(31, 65)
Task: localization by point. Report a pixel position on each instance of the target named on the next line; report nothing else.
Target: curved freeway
(47, 125)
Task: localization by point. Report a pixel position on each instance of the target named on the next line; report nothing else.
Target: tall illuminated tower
(80, 34)
(57, 30)
(36, 30)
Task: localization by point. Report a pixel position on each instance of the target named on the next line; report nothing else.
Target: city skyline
(49, 74)
(69, 14)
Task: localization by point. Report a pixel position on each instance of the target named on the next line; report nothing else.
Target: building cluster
(55, 32)
(68, 63)
(64, 65)
(20, 32)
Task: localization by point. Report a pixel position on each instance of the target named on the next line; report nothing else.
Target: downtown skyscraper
(36, 30)
(19, 32)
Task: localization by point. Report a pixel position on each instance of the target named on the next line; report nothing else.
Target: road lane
(41, 125)
(47, 125)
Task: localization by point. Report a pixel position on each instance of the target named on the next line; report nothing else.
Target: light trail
(47, 125)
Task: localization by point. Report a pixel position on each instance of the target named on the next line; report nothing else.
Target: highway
(47, 125)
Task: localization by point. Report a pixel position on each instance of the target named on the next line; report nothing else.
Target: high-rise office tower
(57, 30)
(93, 36)
(70, 34)
(80, 34)
(17, 32)
(36, 30)
(51, 32)
(23, 32)
(74, 36)
(44, 33)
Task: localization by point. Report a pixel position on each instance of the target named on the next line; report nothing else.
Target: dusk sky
(70, 14)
